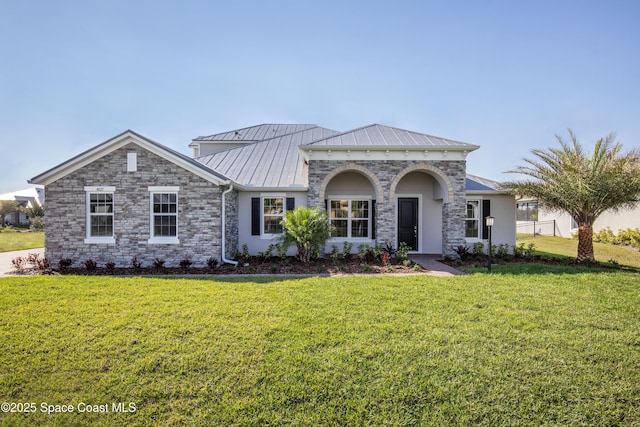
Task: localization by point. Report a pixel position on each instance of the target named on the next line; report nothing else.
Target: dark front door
(408, 222)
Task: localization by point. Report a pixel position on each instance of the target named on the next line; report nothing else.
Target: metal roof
(385, 136)
(476, 183)
(272, 163)
(257, 133)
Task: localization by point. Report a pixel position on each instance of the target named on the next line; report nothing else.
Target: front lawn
(560, 246)
(541, 349)
(13, 240)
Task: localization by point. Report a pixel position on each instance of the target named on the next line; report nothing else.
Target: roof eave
(422, 148)
(488, 191)
(286, 189)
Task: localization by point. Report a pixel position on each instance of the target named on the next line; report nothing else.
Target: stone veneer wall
(453, 212)
(199, 213)
(231, 232)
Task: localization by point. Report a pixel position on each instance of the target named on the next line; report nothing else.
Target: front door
(408, 222)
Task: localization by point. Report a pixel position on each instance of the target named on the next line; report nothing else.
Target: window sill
(349, 239)
(270, 236)
(100, 240)
(163, 241)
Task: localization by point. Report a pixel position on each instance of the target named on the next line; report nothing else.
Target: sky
(505, 75)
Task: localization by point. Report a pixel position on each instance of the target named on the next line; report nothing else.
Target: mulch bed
(255, 266)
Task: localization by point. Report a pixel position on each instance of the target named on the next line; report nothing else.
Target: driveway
(6, 257)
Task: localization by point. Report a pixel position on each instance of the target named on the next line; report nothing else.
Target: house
(530, 219)
(133, 197)
(27, 198)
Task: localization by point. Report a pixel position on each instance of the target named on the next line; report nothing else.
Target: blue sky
(506, 75)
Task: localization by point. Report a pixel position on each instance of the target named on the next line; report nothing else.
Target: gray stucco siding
(259, 243)
(199, 212)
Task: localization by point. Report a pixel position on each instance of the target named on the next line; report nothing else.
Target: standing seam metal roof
(272, 163)
(257, 133)
(379, 135)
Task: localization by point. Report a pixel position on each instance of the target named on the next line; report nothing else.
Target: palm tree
(567, 179)
(7, 207)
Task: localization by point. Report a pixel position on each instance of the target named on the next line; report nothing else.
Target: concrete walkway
(5, 259)
(435, 267)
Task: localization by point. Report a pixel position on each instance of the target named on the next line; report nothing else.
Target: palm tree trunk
(585, 242)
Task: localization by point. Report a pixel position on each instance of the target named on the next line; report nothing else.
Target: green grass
(504, 349)
(559, 246)
(19, 240)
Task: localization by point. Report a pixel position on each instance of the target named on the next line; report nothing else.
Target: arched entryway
(419, 196)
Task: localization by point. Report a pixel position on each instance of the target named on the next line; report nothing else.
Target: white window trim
(480, 220)
(263, 196)
(98, 190)
(164, 240)
(340, 239)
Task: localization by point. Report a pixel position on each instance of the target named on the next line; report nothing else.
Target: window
(272, 215)
(164, 215)
(350, 218)
(527, 211)
(472, 216)
(267, 213)
(100, 215)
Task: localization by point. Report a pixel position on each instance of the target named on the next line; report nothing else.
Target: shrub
(478, 249)
(282, 251)
(367, 254)
(65, 263)
(403, 250)
(386, 259)
(334, 256)
(212, 263)
(135, 263)
(43, 264)
(263, 256)
(19, 263)
(185, 264)
(462, 251)
(267, 253)
(32, 258)
(309, 229)
(110, 265)
(388, 249)
(346, 250)
(36, 224)
(90, 265)
(158, 264)
(628, 237)
(243, 257)
(502, 251)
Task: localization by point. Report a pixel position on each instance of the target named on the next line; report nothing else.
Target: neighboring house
(132, 197)
(530, 219)
(26, 198)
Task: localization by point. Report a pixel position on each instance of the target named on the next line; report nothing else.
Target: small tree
(569, 179)
(7, 207)
(307, 228)
(35, 211)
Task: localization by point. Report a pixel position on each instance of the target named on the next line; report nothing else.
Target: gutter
(224, 228)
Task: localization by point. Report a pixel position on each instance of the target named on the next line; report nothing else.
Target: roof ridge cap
(255, 126)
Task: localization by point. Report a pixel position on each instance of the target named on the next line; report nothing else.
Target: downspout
(224, 228)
